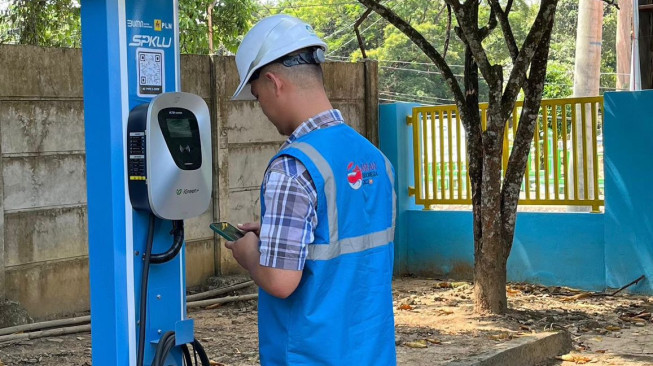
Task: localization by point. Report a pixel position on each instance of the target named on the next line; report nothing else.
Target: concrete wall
(591, 251)
(43, 225)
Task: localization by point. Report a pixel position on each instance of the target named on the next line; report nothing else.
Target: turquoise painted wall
(581, 250)
(628, 149)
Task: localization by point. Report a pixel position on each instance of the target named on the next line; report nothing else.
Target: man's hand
(276, 282)
(245, 251)
(254, 227)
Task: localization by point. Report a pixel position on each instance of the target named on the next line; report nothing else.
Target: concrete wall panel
(48, 234)
(342, 80)
(41, 181)
(247, 164)
(199, 261)
(198, 227)
(196, 75)
(354, 114)
(50, 289)
(245, 123)
(42, 126)
(41, 72)
(245, 206)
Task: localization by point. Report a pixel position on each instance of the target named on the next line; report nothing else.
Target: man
(323, 252)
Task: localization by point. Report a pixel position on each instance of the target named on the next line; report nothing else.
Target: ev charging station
(148, 167)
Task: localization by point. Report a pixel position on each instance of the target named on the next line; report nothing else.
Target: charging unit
(148, 168)
(169, 160)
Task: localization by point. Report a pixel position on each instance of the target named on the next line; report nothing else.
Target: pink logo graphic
(354, 176)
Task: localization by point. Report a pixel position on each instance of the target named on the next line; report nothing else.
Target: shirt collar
(325, 119)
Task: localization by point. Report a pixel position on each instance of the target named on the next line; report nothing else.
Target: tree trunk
(490, 261)
(490, 278)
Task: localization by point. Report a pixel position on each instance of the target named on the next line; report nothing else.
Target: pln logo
(358, 175)
(178, 192)
(354, 176)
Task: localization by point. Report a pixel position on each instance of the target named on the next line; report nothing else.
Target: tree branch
(525, 57)
(446, 41)
(505, 27)
(521, 147)
(469, 27)
(358, 23)
(422, 43)
(491, 24)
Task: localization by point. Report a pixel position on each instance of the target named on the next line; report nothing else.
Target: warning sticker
(151, 76)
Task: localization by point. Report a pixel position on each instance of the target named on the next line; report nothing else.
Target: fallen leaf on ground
(405, 307)
(416, 344)
(433, 341)
(512, 292)
(444, 312)
(577, 359)
(582, 295)
(443, 285)
(503, 336)
(216, 363)
(600, 351)
(612, 328)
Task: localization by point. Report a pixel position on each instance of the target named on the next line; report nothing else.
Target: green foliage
(56, 23)
(231, 19)
(404, 73)
(53, 23)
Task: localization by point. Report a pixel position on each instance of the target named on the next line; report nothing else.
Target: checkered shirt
(290, 198)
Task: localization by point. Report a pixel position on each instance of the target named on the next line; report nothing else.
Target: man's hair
(303, 75)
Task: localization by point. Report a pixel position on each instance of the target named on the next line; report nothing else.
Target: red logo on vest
(354, 176)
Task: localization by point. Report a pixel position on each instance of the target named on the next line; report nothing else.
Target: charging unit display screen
(181, 132)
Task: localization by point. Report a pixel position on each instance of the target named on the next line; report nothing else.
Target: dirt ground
(435, 325)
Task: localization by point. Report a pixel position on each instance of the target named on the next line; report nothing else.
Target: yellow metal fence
(565, 164)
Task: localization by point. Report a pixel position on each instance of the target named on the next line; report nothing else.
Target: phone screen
(227, 231)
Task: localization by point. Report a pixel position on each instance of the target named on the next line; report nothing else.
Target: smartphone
(227, 231)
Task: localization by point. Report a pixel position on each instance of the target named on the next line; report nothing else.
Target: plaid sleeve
(290, 217)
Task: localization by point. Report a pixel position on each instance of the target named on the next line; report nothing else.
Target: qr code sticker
(151, 77)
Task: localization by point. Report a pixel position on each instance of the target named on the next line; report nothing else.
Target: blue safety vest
(341, 313)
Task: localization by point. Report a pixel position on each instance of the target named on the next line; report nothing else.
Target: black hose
(143, 307)
(178, 241)
(188, 361)
(166, 343)
(197, 346)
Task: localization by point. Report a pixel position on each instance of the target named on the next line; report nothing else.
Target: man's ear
(276, 82)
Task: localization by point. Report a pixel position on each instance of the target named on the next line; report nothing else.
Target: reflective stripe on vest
(338, 247)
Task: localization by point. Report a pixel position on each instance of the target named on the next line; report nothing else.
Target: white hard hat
(270, 39)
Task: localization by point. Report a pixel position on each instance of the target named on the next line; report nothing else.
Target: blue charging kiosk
(130, 54)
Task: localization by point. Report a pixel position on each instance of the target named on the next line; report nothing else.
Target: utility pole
(624, 43)
(587, 72)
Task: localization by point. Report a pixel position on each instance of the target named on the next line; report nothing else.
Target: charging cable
(167, 341)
